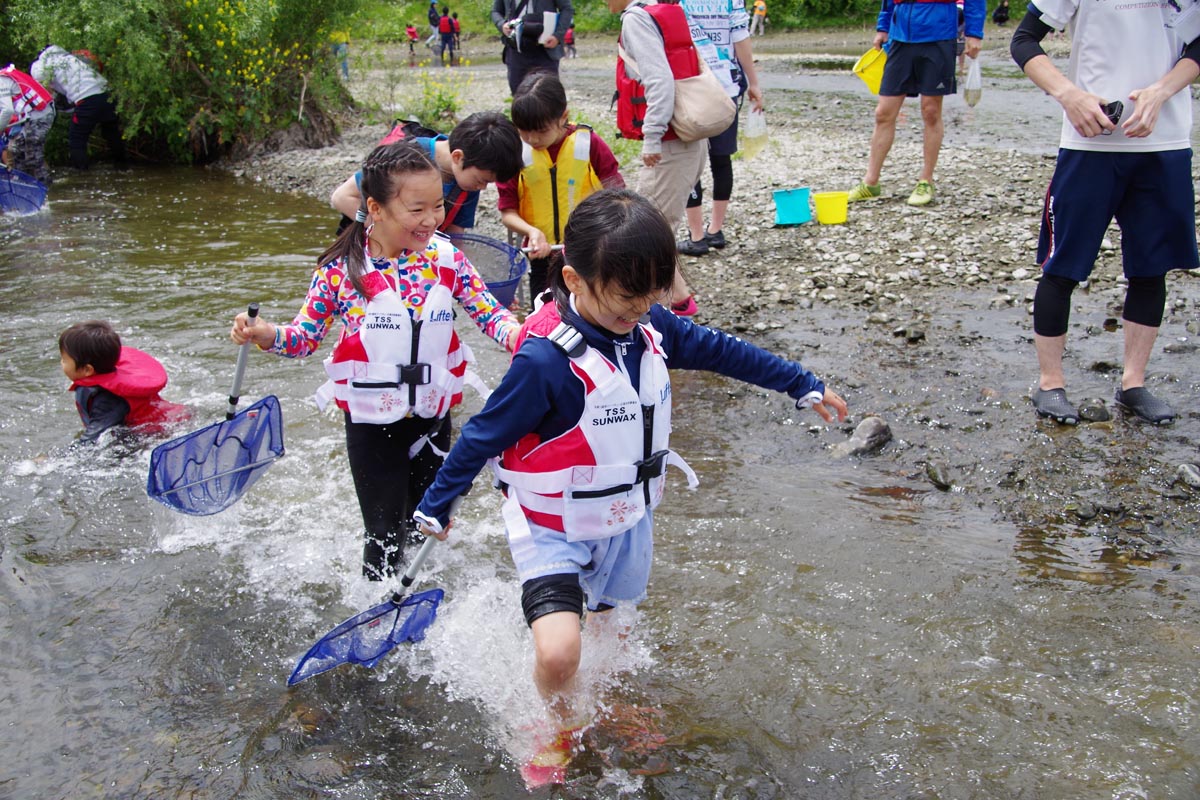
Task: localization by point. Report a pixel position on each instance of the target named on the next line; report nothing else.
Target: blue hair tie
(360, 216)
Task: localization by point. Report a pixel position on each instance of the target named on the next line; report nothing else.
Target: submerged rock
(939, 475)
(1093, 409)
(869, 435)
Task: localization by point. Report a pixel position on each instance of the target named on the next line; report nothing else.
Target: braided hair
(383, 173)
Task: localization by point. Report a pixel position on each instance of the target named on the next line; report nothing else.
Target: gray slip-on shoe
(1053, 403)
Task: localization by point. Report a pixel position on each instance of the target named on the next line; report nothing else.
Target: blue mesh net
(500, 265)
(208, 470)
(20, 193)
(367, 637)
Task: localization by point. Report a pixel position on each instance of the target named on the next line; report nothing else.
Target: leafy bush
(193, 77)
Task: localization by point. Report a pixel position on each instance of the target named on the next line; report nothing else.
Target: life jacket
(457, 25)
(569, 36)
(445, 25)
(681, 56)
(550, 189)
(599, 478)
(31, 96)
(412, 33)
(137, 380)
(397, 365)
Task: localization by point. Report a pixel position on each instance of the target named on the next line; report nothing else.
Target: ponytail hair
(383, 174)
(619, 239)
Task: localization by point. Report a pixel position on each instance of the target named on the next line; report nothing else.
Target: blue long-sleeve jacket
(538, 394)
(930, 21)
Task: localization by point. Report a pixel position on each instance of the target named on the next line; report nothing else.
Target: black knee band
(722, 172)
(1145, 300)
(696, 196)
(551, 593)
(1052, 305)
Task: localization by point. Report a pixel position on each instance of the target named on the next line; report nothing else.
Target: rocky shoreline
(932, 304)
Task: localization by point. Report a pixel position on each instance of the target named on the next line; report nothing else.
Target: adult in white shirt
(1130, 159)
(86, 91)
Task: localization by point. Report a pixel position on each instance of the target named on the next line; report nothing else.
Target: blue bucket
(499, 264)
(792, 207)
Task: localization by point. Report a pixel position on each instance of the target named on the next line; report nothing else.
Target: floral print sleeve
(330, 297)
(492, 318)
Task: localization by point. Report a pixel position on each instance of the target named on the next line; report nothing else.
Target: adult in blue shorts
(921, 38)
(1131, 160)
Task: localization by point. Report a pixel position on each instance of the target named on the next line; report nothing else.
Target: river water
(817, 627)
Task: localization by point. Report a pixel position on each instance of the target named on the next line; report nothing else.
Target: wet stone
(1188, 475)
(1082, 509)
(939, 475)
(1093, 409)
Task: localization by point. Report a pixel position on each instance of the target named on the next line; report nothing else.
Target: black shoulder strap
(567, 339)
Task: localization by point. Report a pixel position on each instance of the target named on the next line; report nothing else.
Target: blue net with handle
(499, 264)
(368, 636)
(206, 471)
(20, 193)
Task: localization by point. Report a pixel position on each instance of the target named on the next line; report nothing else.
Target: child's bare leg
(557, 645)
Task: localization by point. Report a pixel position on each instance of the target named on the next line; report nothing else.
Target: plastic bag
(754, 134)
(973, 88)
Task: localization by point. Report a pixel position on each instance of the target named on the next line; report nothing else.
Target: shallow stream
(817, 627)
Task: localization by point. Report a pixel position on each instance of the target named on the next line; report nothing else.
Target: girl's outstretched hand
(260, 332)
(829, 404)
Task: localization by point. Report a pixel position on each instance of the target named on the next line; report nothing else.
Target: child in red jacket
(114, 385)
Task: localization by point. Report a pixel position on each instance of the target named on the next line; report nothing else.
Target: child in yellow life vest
(563, 164)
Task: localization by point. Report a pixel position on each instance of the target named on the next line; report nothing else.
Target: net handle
(235, 393)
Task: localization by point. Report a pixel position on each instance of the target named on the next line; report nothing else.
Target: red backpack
(682, 57)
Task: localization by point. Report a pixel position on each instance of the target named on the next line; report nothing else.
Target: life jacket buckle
(415, 374)
(652, 467)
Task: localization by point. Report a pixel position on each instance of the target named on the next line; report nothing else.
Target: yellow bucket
(870, 68)
(831, 207)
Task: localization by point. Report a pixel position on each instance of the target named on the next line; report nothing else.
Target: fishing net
(367, 637)
(499, 264)
(208, 470)
(20, 193)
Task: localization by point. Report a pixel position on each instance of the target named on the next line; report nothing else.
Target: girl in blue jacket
(581, 422)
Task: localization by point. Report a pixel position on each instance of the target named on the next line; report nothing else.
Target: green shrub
(193, 77)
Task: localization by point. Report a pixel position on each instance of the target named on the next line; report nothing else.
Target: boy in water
(481, 149)
(564, 163)
(113, 385)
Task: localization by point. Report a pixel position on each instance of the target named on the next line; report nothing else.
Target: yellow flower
(220, 43)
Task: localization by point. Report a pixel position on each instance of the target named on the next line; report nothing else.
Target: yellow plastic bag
(870, 68)
(754, 134)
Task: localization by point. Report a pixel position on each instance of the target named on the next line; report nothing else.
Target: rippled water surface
(817, 627)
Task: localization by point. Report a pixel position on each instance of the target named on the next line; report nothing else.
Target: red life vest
(445, 25)
(599, 478)
(137, 380)
(32, 96)
(682, 57)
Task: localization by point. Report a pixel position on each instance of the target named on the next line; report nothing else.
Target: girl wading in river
(581, 421)
(398, 367)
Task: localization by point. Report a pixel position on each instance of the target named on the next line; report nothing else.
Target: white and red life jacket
(29, 98)
(597, 479)
(395, 365)
(137, 379)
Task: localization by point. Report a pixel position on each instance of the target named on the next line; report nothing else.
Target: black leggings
(389, 487)
(1145, 300)
(722, 177)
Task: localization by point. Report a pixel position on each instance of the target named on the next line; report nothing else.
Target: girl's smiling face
(410, 218)
(606, 306)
